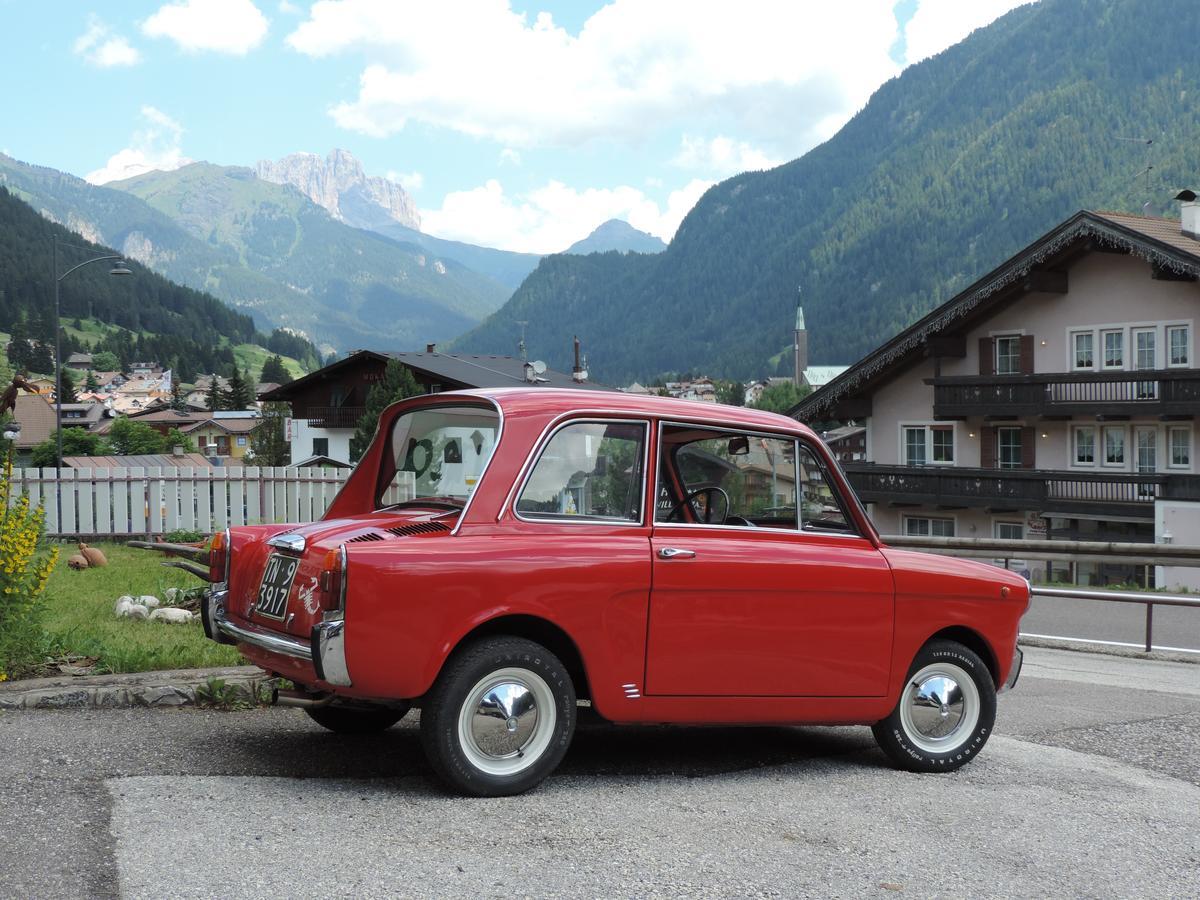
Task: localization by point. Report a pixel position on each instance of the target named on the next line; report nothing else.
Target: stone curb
(1108, 650)
(146, 689)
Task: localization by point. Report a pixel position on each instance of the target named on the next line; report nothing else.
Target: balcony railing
(1152, 392)
(1047, 491)
(332, 416)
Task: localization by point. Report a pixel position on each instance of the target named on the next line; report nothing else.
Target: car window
(588, 471)
(716, 477)
(439, 452)
(821, 507)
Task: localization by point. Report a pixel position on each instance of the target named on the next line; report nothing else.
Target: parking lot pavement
(1089, 788)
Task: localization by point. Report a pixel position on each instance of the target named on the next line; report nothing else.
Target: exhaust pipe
(300, 699)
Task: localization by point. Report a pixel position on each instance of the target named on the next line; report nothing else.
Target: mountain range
(949, 169)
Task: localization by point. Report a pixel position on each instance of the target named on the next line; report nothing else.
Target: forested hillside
(948, 170)
(187, 330)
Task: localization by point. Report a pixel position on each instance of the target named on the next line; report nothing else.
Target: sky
(515, 124)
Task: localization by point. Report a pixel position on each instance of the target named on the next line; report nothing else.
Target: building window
(1114, 446)
(1114, 349)
(1008, 448)
(320, 446)
(928, 527)
(1009, 531)
(925, 444)
(1085, 446)
(1144, 355)
(1084, 343)
(1008, 355)
(1179, 445)
(241, 441)
(1178, 345)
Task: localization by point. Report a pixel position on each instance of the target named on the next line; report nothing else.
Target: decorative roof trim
(1082, 225)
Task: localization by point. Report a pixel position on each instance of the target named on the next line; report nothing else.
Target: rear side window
(821, 507)
(589, 471)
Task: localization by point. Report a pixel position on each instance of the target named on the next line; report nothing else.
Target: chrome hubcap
(507, 721)
(937, 706)
(940, 708)
(504, 719)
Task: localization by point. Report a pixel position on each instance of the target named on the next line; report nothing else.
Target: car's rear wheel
(499, 718)
(355, 720)
(945, 712)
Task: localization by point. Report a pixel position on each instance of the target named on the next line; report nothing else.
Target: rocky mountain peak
(339, 184)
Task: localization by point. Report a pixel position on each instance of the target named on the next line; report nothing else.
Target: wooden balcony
(331, 416)
(1050, 492)
(1151, 392)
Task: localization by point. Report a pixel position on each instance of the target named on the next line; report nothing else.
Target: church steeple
(800, 347)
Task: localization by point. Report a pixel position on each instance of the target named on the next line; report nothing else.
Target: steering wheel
(708, 517)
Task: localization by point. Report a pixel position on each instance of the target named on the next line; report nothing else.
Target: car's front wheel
(945, 712)
(499, 718)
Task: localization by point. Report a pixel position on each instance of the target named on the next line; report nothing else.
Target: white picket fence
(140, 501)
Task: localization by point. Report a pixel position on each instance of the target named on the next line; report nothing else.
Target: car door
(782, 596)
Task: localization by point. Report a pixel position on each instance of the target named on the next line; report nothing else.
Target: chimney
(1189, 212)
(429, 348)
(577, 369)
(800, 347)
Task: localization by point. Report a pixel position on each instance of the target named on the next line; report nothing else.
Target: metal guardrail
(1186, 556)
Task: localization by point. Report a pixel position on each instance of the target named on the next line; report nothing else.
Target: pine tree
(397, 383)
(68, 387)
(178, 399)
(90, 383)
(274, 371)
(216, 397)
(269, 440)
(240, 395)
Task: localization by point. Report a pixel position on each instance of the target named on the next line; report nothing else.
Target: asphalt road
(1174, 627)
(1090, 788)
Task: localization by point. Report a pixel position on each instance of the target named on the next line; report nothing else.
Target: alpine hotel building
(1054, 398)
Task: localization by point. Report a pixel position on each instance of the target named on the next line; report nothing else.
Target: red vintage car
(499, 556)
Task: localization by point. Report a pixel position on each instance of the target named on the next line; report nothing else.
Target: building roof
(467, 370)
(36, 417)
(820, 375)
(146, 461)
(230, 426)
(322, 461)
(1158, 241)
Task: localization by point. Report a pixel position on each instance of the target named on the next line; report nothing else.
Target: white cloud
(938, 24)
(224, 26)
(510, 157)
(156, 145)
(410, 181)
(476, 67)
(721, 156)
(289, 9)
(552, 217)
(100, 47)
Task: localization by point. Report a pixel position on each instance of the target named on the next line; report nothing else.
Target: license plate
(276, 585)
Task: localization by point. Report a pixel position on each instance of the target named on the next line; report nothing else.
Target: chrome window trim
(562, 422)
(798, 441)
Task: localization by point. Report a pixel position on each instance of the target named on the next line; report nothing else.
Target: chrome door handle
(676, 553)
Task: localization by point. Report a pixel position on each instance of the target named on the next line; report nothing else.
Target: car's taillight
(219, 551)
(333, 580)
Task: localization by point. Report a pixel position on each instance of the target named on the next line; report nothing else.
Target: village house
(1054, 398)
(328, 403)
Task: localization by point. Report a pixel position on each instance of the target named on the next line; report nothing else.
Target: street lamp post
(119, 268)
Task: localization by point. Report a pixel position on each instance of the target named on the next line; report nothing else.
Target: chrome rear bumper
(326, 650)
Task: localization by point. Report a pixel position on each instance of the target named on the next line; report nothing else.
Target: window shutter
(987, 448)
(1028, 448)
(987, 356)
(1027, 354)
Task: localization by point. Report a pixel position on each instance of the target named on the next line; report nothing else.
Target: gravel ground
(1090, 789)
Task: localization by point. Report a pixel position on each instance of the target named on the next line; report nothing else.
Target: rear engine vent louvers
(419, 528)
(368, 536)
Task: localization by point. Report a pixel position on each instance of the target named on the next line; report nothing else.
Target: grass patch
(79, 616)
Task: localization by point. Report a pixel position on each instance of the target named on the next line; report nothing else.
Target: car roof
(555, 402)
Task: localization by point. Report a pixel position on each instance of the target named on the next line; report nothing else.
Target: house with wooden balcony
(1055, 397)
(327, 404)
